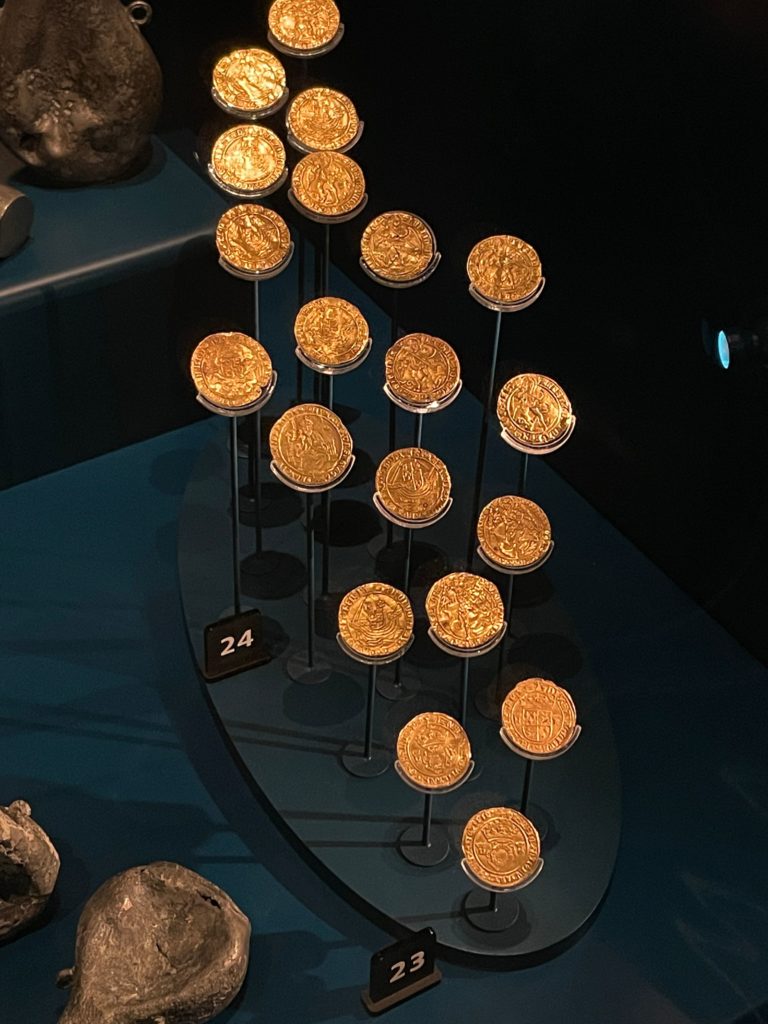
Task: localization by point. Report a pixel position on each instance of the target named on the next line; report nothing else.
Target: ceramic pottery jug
(80, 88)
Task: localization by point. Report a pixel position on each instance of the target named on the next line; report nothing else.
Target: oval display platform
(288, 738)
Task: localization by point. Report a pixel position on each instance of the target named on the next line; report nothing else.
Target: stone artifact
(29, 867)
(157, 944)
(80, 89)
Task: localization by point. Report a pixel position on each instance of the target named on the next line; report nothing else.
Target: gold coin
(310, 445)
(433, 750)
(249, 80)
(248, 157)
(501, 847)
(534, 410)
(397, 246)
(413, 484)
(539, 717)
(465, 611)
(252, 238)
(230, 369)
(375, 620)
(421, 369)
(504, 268)
(514, 531)
(331, 331)
(330, 184)
(321, 118)
(304, 24)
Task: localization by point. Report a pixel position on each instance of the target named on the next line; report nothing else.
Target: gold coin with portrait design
(501, 847)
(248, 158)
(322, 118)
(504, 269)
(421, 369)
(539, 717)
(328, 184)
(248, 80)
(398, 246)
(310, 446)
(465, 611)
(304, 24)
(252, 238)
(331, 331)
(230, 370)
(433, 750)
(413, 484)
(534, 410)
(375, 620)
(514, 531)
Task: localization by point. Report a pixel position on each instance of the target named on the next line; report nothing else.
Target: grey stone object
(157, 944)
(29, 867)
(80, 89)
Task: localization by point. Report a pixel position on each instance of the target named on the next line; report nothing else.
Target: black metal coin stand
(466, 655)
(490, 909)
(427, 844)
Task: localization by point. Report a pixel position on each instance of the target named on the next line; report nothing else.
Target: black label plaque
(401, 970)
(233, 645)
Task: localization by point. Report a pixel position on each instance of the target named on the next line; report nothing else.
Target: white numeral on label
(246, 639)
(228, 643)
(398, 969)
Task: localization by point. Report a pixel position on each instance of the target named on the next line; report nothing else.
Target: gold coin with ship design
(248, 157)
(322, 118)
(252, 238)
(514, 531)
(331, 331)
(248, 80)
(539, 717)
(433, 750)
(413, 484)
(534, 410)
(328, 184)
(375, 620)
(304, 24)
(421, 369)
(397, 246)
(504, 269)
(465, 611)
(501, 847)
(230, 370)
(310, 446)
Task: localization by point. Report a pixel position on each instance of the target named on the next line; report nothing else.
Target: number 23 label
(399, 969)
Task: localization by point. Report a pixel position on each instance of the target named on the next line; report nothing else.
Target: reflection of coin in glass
(331, 331)
(413, 484)
(501, 847)
(421, 369)
(465, 611)
(249, 80)
(329, 184)
(397, 246)
(375, 620)
(310, 445)
(230, 369)
(304, 24)
(252, 238)
(534, 410)
(539, 717)
(514, 531)
(504, 268)
(433, 750)
(248, 158)
(321, 118)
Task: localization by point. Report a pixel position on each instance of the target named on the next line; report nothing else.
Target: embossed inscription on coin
(501, 847)
(534, 410)
(252, 238)
(421, 369)
(464, 610)
(248, 157)
(310, 445)
(433, 750)
(322, 118)
(397, 246)
(331, 331)
(330, 184)
(504, 268)
(230, 369)
(413, 484)
(514, 531)
(539, 717)
(375, 620)
(249, 80)
(304, 24)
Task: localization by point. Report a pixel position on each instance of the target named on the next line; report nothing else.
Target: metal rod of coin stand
(310, 585)
(493, 906)
(392, 409)
(327, 260)
(522, 475)
(300, 295)
(368, 749)
(507, 617)
(464, 690)
(254, 438)
(526, 785)
(235, 514)
(417, 431)
(427, 824)
(408, 538)
(483, 442)
(326, 506)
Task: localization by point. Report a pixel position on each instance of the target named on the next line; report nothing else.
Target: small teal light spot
(723, 350)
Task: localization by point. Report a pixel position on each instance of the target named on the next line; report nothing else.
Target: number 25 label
(398, 969)
(228, 643)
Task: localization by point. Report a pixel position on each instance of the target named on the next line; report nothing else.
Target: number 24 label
(229, 644)
(398, 969)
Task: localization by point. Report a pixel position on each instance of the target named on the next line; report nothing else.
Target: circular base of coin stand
(366, 659)
(409, 524)
(257, 275)
(250, 115)
(397, 688)
(321, 218)
(507, 307)
(300, 671)
(476, 908)
(472, 652)
(352, 760)
(423, 410)
(243, 410)
(279, 505)
(246, 193)
(302, 147)
(428, 272)
(517, 570)
(318, 51)
(334, 371)
(261, 563)
(545, 450)
(310, 490)
(411, 847)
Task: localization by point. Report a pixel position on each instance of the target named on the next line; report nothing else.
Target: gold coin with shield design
(433, 750)
(331, 331)
(539, 717)
(501, 847)
(230, 369)
(375, 620)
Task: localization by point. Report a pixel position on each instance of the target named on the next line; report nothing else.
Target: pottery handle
(140, 13)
